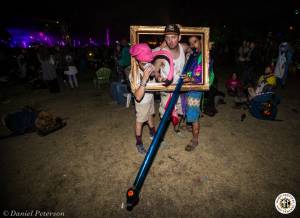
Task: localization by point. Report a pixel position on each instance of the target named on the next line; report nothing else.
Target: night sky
(93, 17)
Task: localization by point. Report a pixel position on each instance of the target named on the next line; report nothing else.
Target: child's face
(195, 42)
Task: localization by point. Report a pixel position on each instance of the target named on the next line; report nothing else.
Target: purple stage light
(22, 37)
(107, 37)
(24, 44)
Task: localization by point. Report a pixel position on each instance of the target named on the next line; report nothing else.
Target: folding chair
(102, 76)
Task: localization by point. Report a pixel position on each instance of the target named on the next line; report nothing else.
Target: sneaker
(141, 149)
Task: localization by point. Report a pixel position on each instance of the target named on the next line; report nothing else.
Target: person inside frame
(149, 63)
(172, 43)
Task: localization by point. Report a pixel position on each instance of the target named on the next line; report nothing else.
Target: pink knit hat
(143, 53)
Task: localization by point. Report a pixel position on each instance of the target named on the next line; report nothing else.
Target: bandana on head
(141, 52)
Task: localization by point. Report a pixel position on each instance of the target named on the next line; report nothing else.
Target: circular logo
(285, 203)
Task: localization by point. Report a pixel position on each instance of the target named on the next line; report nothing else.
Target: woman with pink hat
(148, 63)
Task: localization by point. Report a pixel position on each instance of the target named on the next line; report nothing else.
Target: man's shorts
(193, 111)
(163, 101)
(144, 110)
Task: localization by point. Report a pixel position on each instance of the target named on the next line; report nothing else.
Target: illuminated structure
(36, 32)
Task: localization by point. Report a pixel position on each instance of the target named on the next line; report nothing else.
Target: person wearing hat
(148, 63)
(178, 50)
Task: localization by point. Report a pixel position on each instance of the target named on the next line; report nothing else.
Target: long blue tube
(154, 146)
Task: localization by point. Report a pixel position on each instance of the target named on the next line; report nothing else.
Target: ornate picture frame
(138, 32)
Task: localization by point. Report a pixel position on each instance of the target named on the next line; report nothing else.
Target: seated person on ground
(27, 120)
(266, 83)
(234, 85)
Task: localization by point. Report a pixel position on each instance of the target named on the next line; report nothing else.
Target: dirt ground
(85, 169)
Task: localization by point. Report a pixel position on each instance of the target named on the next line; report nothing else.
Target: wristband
(143, 84)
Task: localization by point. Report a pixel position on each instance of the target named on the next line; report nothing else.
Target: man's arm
(158, 64)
